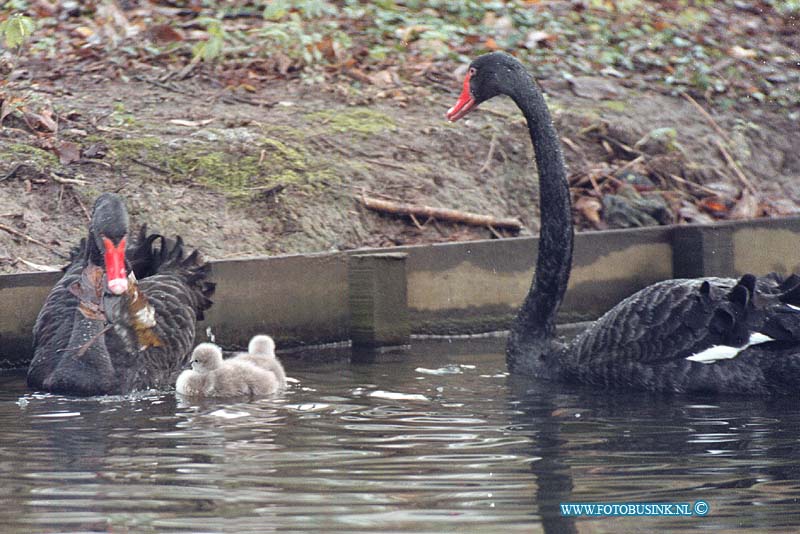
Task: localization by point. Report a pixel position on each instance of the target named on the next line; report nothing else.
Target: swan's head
(206, 357)
(488, 76)
(109, 231)
(261, 344)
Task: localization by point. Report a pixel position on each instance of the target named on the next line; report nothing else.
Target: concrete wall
(297, 299)
(21, 297)
(478, 286)
(451, 288)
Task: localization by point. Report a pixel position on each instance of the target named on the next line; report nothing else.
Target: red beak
(115, 266)
(465, 102)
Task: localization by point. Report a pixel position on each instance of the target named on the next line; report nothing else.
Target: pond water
(438, 439)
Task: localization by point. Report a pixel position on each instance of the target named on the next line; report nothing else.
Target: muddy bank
(281, 170)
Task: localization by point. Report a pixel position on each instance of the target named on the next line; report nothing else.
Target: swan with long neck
(708, 334)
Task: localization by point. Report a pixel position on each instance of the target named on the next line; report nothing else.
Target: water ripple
(439, 440)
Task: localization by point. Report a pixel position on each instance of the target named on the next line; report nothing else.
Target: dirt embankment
(282, 170)
(255, 128)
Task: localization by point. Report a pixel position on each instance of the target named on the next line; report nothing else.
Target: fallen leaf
(747, 207)
(83, 31)
(282, 63)
(690, 213)
(724, 189)
(660, 25)
(491, 44)
(384, 78)
(44, 8)
(590, 208)
(328, 48)
(48, 121)
(538, 38)
(67, 152)
(96, 151)
(5, 109)
(716, 206)
(742, 53)
(412, 32)
(358, 75)
(40, 121)
(164, 34)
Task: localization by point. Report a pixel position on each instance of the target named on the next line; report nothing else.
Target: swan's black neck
(534, 327)
(93, 252)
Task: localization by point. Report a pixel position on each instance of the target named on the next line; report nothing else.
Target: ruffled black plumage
(716, 335)
(89, 342)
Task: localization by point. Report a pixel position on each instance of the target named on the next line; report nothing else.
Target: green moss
(238, 172)
(226, 172)
(38, 156)
(616, 106)
(360, 120)
(281, 131)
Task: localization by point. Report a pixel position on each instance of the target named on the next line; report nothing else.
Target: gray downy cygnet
(211, 376)
(261, 352)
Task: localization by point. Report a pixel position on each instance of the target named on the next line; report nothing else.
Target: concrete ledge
(451, 288)
(21, 298)
(378, 299)
(296, 299)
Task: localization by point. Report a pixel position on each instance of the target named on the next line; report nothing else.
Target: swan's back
(708, 334)
(179, 293)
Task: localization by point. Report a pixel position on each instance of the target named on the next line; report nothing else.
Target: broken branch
(490, 155)
(734, 166)
(707, 116)
(67, 181)
(31, 239)
(441, 214)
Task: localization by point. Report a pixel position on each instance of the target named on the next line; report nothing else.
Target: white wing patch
(726, 352)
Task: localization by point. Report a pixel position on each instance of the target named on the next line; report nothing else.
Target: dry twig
(385, 164)
(735, 167)
(67, 181)
(490, 155)
(707, 116)
(31, 239)
(80, 203)
(12, 172)
(442, 214)
(696, 186)
(630, 164)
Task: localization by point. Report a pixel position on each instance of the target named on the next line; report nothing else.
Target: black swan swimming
(211, 376)
(123, 316)
(715, 335)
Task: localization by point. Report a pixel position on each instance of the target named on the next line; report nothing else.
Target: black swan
(122, 317)
(261, 353)
(211, 376)
(715, 335)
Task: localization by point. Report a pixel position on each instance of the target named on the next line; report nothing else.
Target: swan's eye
(472, 71)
